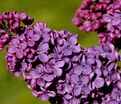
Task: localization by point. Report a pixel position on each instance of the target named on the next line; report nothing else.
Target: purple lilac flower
(17, 47)
(42, 56)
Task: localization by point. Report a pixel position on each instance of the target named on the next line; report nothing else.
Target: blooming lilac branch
(56, 68)
(54, 65)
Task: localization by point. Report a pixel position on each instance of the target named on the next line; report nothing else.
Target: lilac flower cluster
(11, 23)
(57, 69)
(42, 56)
(53, 64)
(102, 16)
(92, 78)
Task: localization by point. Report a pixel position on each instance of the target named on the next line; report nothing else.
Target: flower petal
(57, 71)
(98, 82)
(43, 57)
(59, 64)
(19, 53)
(72, 40)
(23, 45)
(12, 49)
(43, 47)
(36, 37)
(44, 96)
(48, 77)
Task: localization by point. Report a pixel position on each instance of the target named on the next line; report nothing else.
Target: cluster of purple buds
(89, 15)
(101, 16)
(12, 23)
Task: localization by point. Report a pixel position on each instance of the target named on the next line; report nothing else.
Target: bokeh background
(58, 14)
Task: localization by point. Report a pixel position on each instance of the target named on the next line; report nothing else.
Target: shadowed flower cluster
(91, 79)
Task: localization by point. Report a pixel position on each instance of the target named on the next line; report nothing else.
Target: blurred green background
(58, 14)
